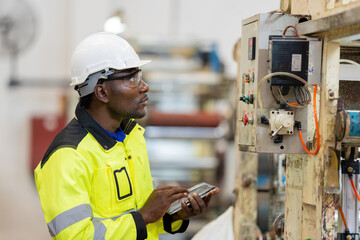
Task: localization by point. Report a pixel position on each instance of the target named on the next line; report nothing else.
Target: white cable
(349, 61)
(258, 96)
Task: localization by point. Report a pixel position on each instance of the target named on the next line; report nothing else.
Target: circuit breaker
(265, 49)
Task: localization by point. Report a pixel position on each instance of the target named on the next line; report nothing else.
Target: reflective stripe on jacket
(91, 186)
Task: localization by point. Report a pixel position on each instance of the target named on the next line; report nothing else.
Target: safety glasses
(131, 80)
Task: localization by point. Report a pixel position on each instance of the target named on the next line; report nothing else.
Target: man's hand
(197, 206)
(159, 201)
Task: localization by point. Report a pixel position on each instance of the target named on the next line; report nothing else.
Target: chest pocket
(123, 184)
(123, 198)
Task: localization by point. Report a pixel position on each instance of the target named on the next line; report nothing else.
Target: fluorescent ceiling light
(114, 24)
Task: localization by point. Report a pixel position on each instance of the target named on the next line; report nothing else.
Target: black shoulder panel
(127, 125)
(70, 136)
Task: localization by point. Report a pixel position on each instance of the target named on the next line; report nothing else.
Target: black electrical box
(289, 55)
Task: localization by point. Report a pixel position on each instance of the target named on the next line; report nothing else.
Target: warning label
(296, 62)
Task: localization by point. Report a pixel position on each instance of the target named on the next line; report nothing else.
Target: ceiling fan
(17, 30)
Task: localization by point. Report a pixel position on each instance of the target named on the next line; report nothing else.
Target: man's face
(127, 101)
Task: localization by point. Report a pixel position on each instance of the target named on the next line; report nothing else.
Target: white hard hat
(98, 52)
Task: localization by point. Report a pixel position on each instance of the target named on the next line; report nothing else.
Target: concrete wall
(61, 24)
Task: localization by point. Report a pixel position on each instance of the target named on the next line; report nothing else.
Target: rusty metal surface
(328, 216)
(246, 193)
(322, 8)
(293, 196)
(349, 91)
(350, 53)
(329, 23)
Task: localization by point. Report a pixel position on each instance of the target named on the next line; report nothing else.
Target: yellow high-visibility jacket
(91, 186)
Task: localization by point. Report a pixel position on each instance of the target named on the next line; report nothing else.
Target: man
(94, 181)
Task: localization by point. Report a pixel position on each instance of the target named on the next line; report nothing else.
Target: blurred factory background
(189, 125)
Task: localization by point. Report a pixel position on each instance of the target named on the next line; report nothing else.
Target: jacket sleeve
(166, 225)
(173, 227)
(64, 184)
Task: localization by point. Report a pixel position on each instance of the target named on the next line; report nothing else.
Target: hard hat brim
(79, 80)
(143, 62)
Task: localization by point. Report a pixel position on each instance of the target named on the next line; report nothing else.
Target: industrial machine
(278, 87)
(347, 133)
(278, 70)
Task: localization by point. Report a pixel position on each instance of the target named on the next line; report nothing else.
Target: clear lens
(133, 81)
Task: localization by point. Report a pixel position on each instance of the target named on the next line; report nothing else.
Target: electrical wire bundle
(258, 96)
(302, 96)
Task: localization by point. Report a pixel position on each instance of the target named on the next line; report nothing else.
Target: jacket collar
(104, 139)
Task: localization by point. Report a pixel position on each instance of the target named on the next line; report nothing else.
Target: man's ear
(101, 92)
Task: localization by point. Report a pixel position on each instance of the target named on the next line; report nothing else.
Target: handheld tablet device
(202, 189)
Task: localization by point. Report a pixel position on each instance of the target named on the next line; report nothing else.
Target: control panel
(272, 109)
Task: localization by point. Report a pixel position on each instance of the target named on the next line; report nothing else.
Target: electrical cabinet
(288, 55)
(265, 49)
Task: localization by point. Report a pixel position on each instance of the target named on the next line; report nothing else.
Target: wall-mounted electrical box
(288, 55)
(299, 56)
(265, 50)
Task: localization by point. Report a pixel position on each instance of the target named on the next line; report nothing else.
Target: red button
(245, 119)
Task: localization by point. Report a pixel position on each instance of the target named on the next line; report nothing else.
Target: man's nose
(143, 86)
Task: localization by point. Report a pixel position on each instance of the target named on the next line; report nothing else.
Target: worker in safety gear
(94, 181)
